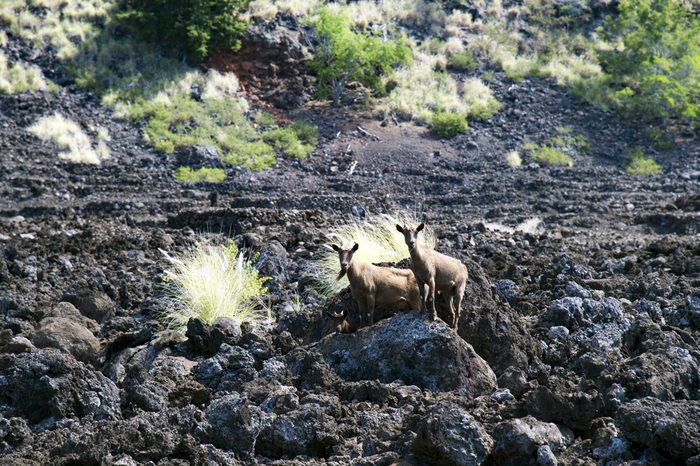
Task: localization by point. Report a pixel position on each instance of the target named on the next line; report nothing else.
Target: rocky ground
(577, 342)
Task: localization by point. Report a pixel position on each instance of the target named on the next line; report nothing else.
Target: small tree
(194, 26)
(343, 55)
(656, 62)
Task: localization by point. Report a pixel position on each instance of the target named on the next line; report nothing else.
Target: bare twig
(366, 133)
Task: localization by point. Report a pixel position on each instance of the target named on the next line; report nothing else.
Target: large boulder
(672, 427)
(48, 385)
(448, 434)
(409, 348)
(69, 336)
(233, 423)
(518, 439)
(495, 330)
(305, 431)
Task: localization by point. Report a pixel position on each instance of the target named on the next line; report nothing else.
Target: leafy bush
(549, 155)
(379, 242)
(462, 61)
(195, 26)
(641, 164)
(655, 66)
(199, 175)
(255, 155)
(211, 282)
(343, 55)
(448, 124)
(297, 140)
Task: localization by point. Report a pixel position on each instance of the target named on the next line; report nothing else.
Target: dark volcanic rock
(93, 304)
(233, 423)
(227, 370)
(69, 336)
(48, 385)
(409, 348)
(448, 434)
(306, 431)
(672, 427)
(518, 439)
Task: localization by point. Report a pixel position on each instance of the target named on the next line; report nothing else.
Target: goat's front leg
(431, 298)
(370, 308)
(362, 308)
(423, 289)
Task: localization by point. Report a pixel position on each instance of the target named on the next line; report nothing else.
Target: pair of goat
(395, 289)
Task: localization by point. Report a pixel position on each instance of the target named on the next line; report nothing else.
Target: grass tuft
(199, 175)
(68, 136)
(17, 78)
(379, 242)
(549, 155)
(513, 159)
(641, 164)
(214, 281)
(448, 125)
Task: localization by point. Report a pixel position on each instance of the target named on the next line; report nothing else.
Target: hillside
(578, 336)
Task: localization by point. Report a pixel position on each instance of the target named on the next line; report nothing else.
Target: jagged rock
(448, 434)
(202, 338)
(515, 380)
(517, 439)
(409, 348)
(274, 263)
(199, 156)
(672, 427)
(233, 423)
(566, 311)
(93, 304)
(306, 431)
(68, 336)
(227, 370)
(47, 385)
(496, 332)
(508, 290)
(564, 403)
(573, 289)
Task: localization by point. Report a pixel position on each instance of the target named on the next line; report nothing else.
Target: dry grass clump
(76, 144)
(379, 242)
(18, 78)
(213, 281)
(513, 159)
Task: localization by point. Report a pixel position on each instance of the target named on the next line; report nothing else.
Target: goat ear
(335, 247)
(356, 247)
(420, 227)
(398, 227)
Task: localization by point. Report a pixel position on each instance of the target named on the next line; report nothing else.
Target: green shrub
(256, 155)
(343, 55)
(297, 140)
(212, 282)
(641, 164)
(199, 175)
(462, 61)
(655, 66)
(549, 155)
(196, 27)
(448, 124)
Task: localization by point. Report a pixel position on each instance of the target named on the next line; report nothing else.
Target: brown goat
(342, 325)
(436, 272)
(377, 287)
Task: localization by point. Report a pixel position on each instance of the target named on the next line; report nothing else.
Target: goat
(373, 286)
(343, 326)
(436, 272)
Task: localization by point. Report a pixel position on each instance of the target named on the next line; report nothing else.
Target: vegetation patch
(199, 175)
(194, 26)
(214, 281)
(343, 55)
(513, 159)
(75, 143)
(379, 242)
(642, 165)
(551, 156)
(462, 61)
(448, 125)
(18, 78)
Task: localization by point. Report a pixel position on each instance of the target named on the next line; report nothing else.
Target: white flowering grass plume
(378, 239)
(75, 143)
(213, 281)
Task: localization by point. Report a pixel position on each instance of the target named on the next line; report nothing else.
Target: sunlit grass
(18, 78)
(76, 144)
(213, 281)
(641, 164)
(378, 241)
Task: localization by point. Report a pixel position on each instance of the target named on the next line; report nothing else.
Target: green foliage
(199, 175)
(551, 156)
(195, 26)
(655, 67)
(448, 124)
(297, 140)
(663, 140)
(343, 55)
(462, 61)
(212, 282)
(255, 155)
(264, 118)
(641, 164)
